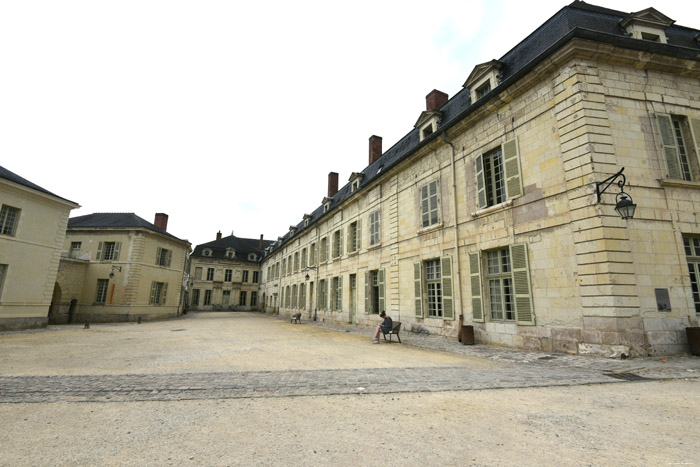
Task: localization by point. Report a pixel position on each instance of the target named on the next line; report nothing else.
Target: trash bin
(468, 335)
(693, 340)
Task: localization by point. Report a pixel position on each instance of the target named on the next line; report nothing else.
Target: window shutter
(340, 244)
(348, 239)
(521, 284)
(669, 143)
(117, 249)
(480, 182)
(359, 224)
(448, 311)
(100, 247)
(511, 163)
(367, 292)
(475, 279)
(158, 253)
(153, 293)
(165, 293)
(169, 257)
(695, 133)
(382, 301)
(418, 289)
(340, 293)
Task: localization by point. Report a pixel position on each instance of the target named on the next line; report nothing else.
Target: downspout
(454, 208)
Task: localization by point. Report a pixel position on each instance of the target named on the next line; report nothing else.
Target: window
(207, 297)
(312, 255)
(692, 253)
(9, 217)
(228, 275)
(322, 294)
(433, 288)
(303, 259)
(101, 295)
(226, 298)
(256, 274)
(230, 254)
(374, 228)
(676, 132)
(483, 90)
(505, 278)
(498, 175)
(3, 273)
(429, 204)
(324, 250)
(651, 37)
(296, 261)
(163, 257)
(243, 298)
(354, 186)
(294, 296)
(245, 276)
(206, 252)
(289, 265)
(337, 243)
(253, 298)
(159, 292)
(302, 296)
(374, 292)
(195, 297)
(75, 249)
(252, 257)
(427, 131)
(337, 293)
(210, 274)
(354, 237)
(108, 251)
(284, 266)
(198, 273)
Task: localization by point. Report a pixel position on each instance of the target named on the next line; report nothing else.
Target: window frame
(431, 201)
(9, 220)
(374, 228)
(101, 292)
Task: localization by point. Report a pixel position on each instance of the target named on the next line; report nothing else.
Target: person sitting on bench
(385, 327)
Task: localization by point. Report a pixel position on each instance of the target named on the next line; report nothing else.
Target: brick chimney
(261, 241)
(375, 148)
(218, 235)
(161, 221)
(435, 99)
(332, 183)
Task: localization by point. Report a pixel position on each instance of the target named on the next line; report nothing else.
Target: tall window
(324, 250)
(210, 274)
(195, 297)
(692, 253)
(296, 261)
(284, 266)
(198, 273)
(108, 251)
(303, 259)
(498, 175)
(353, 237)
(101, 295)
(336, 293)
(256, 274)
(228, 275)
(677, 138)
(500, 285)
(159, 291)
(253, 298)
(207, 297)
(8, 220)
(429, 204)
(245, 276)
(374, 228)
(75, 249)
(434, 287)
(493, 177)
(163, 257)
(322, 294)
(337, 243)
(302, 296)
(294, 296)
(3, 273)
(289, 264)
(243, 298)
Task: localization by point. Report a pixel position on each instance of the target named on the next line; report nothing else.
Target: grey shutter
(340, 293)
(511, 163)
(418, 289)
(448, 311)
(348, 239)
(382, 301)
(521, 284)
(159, 251)
(695, 134)
(475, 279)
(117, 249)
(152, 301)
(168, 257)
(340, 244)
(480, 182)
(359, 232)
(165, 294)
(367, 292)
(673, 162)
(100, 247)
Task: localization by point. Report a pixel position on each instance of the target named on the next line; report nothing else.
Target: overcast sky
(229, 115)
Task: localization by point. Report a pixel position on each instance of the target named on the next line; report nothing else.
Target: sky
(226, 115)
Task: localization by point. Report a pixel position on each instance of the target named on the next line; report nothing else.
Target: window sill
(494, 208)
(353, 253)
(672, 182)
(430, 228)
(374, 247)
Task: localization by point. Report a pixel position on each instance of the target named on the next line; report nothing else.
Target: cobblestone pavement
(516, 369)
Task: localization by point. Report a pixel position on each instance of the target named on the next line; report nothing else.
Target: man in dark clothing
(385, 327)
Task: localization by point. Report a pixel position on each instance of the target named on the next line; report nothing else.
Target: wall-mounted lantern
(624, 207)
(111, 272)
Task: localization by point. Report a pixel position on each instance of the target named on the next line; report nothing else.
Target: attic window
(483, 90)
(206, 252)
(252, 257)
(355, 185)
(427, 131)
(306, 222)
(648, 25)
(651, 37)
(326, 207)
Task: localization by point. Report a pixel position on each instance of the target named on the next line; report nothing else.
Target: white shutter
(475, 279)
(100, 247)
(511, 163)
(117, 249)
(695, 134)
(480, 182)
(367, 294)
(448, 311)
(418, 289)
(382, 301)
(673, 162)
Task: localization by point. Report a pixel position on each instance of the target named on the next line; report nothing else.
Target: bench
(395, 329)
(296, 318)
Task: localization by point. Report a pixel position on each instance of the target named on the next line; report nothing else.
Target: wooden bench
(395, 329)
(296, 318)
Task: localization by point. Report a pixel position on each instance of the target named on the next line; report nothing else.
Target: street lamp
(624, 207)
(111, 272)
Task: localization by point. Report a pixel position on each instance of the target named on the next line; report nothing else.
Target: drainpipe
(454, 208)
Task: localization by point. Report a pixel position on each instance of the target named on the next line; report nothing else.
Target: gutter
(458, 299)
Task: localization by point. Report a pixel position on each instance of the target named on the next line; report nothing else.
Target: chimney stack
(161, 221)
(332, 184)
(435, 100)
(218, 235)
(261, 241)
(375, 148)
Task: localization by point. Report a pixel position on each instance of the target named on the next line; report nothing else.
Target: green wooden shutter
(480, 182)
(100, 247)
(153, 293)
(159, 251)
(348, 239)
(359, 232)
(382, 301)
(117, 249)
(475, 279)
(521, 284)
(340, 293)
(673, 162)
(418, 289)
(448, 310)
(511, 162)
(165, 294)
(695, 133)
(367, 292)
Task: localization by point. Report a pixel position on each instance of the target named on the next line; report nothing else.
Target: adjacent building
(488, 209)
(32, 229)
(225, 274)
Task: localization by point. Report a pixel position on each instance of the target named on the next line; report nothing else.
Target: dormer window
(483, 79)
(307, 220)
(428, 123)
(206, 252)
(252, 257)
(647, 25)
(292, 229)
(327, 204)
(427, 131)
(483, 90)
(355, 179)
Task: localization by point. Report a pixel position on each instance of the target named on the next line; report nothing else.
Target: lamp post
(624, 207)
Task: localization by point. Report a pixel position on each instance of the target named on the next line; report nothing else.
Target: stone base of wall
(19, 324)
(120, 317)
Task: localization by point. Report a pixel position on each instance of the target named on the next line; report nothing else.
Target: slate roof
(576, 20)
(242, 246)
(13, 177)
(115, 220)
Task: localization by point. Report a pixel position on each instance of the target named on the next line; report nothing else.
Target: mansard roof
(13, 177)
(115, 220)
(576, 20)
(241, 246)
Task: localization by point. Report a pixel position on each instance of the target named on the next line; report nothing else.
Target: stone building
(488, 207)
(120, 267)
(32, 228)
(225, 274)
